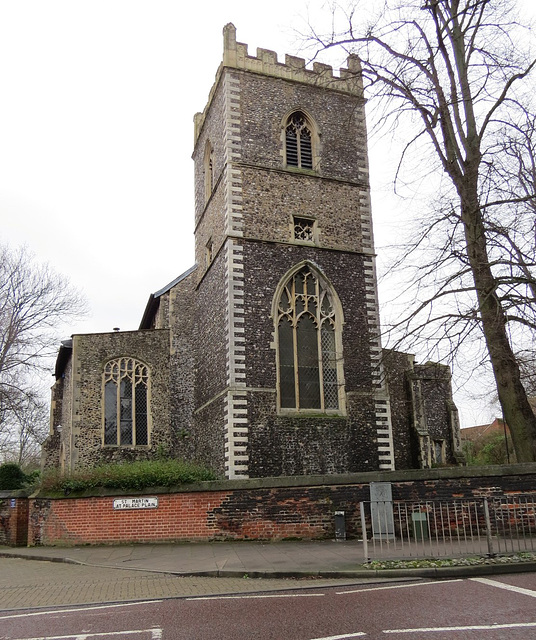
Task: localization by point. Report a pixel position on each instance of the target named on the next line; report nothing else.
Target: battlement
(235, 55)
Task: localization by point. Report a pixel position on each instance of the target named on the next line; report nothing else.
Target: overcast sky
(96, 135)
(97, 99)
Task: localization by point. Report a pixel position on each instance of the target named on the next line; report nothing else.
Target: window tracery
(126, 403)
(304, 229)
(307, 341)
(298, 141)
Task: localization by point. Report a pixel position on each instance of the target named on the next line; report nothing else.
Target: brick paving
(26, 584)
(33, 577)
(37, 577)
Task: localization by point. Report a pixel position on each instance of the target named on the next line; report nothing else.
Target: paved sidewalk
(298, 559)
(91, 575)
(224, 559)
(30, 584)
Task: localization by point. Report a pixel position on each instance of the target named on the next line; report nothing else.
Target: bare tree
(457, 71)
(34, 303)
(24, 430)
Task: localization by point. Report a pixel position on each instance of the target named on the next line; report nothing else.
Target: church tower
(264, 358)
(287, 366)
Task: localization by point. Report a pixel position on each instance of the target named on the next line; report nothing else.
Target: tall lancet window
(209, 170)
(126, 403)
(309, 345)
(298, 141)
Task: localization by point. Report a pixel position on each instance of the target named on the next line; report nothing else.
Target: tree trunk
(516, 409)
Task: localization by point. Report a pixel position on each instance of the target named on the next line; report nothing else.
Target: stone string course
(209, 337)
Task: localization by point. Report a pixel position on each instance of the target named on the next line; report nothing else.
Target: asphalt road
(476, 608)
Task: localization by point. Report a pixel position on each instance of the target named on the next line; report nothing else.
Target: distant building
(481, 432)
(488, 443)
(264, 358)
(484, 431)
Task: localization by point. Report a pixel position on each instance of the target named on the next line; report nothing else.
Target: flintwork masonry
(265, 358)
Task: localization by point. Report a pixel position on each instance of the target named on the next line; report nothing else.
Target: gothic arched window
(299, 141)
(309, 344)
(126, 403)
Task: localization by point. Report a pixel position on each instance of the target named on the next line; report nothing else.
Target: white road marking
(476, 627)
(508, 587)
(284, 595)
(77, 609)
(357, 634)
(156, 634)
(399, 586)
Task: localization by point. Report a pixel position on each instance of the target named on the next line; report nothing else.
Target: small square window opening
(304, 229)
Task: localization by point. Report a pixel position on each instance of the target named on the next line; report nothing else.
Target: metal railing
(448, 528)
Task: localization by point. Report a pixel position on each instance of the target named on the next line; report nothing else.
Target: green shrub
(11, 476)
(33, 476)
(490, 450)
(128, 475)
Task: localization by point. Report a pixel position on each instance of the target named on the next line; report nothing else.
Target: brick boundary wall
(13, 518)
(258, 509)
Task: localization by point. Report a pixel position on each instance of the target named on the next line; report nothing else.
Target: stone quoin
(264, 359)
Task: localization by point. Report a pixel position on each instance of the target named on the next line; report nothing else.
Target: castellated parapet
(263, 359)
(235, 55)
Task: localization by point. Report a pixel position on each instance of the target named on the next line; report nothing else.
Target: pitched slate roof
(153, 302)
